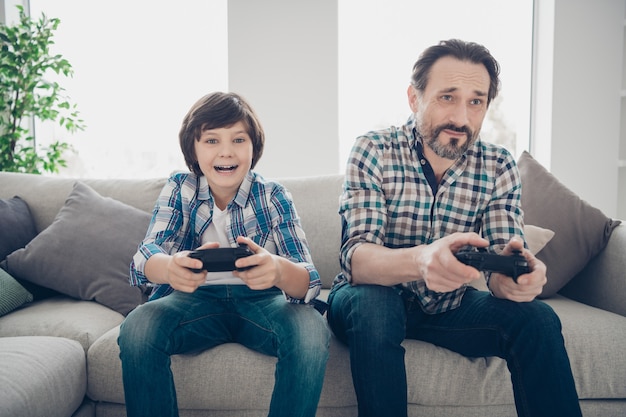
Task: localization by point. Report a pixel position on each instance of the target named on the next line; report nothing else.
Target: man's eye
(240, 140)
(476, 102)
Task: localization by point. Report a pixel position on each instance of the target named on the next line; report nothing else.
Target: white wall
(285, 64)
(577, 95)
(578, 69)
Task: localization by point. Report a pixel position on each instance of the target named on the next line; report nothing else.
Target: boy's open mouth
(225, 168)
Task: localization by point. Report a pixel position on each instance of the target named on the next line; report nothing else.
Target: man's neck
(440, 165)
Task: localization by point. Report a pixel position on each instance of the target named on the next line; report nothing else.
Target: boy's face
(225, 157)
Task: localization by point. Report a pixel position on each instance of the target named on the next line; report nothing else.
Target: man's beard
(453, 150)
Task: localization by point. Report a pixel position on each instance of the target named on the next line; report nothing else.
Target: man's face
(450, 112)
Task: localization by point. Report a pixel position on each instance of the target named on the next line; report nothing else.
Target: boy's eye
(476, 101)
(240, 140)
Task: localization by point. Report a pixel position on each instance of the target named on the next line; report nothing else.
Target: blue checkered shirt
(388, 201)
(262, 210)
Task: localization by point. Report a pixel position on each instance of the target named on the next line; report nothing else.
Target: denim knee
(138, 331)
(373, 311)
(309, 331)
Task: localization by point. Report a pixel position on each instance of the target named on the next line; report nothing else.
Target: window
(138, 67)
(380, 41)
(140, 64)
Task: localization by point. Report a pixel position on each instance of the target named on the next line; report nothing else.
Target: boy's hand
(266, 271)
(180, 276)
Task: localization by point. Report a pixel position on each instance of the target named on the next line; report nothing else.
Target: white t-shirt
(216, 232)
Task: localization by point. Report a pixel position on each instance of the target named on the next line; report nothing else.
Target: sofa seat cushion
(445, 378)
(227, 377)
(61, 316)
(41, 376)
(595, 341)
(216, 379)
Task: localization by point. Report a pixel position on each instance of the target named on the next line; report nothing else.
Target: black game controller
(220, 259)
(512, 266)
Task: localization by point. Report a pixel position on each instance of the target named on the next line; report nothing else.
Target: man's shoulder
(385, 138)
(491, 151)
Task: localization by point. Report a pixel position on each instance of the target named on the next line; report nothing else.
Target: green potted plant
(26, 94)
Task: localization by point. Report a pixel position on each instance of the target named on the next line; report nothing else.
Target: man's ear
(412, 95)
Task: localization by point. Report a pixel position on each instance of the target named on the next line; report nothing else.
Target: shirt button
(423, 161)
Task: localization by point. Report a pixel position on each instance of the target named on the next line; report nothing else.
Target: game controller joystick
(512, 266)
(220, 259)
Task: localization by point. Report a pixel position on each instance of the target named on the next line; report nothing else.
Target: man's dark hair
(217, 110)
(463, 51)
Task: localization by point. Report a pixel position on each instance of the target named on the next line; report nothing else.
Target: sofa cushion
(61, 316)
(41, 376)
(579, 235)
(12, 294)
(436, 376)
(537, 237)
(595, 340)
(317, 202)
(216, 378)
(17, 225)
(86, 251)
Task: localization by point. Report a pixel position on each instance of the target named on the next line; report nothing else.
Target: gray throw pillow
(581, 231)
(12, 294)
(17, 226)
(86, 251)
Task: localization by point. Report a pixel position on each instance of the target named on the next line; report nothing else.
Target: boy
(263, 305)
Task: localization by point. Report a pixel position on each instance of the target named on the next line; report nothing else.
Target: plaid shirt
(261, 210)
(387, 201)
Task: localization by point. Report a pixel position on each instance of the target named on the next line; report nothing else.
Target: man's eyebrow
(479, 93)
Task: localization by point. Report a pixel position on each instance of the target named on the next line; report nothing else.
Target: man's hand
(438, 266)
(528, 286)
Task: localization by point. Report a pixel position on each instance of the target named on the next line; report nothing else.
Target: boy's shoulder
(266, 184)
(189, 184)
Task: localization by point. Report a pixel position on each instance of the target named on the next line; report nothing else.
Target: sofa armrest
(602, 283)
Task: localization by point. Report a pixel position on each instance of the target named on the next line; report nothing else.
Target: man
(414, 196)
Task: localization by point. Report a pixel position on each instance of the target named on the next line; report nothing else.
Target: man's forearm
(375, 264)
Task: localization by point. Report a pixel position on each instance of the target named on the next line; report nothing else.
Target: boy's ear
(412, 95)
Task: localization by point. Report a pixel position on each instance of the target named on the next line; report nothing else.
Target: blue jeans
(212, 315)
(374, 320)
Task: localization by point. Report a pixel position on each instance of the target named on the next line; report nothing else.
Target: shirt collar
(411, 132)
(241, 198)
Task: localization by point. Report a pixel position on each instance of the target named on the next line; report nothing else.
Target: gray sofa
(59, 355)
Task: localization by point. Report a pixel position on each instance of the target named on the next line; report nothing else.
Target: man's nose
(458, 115)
